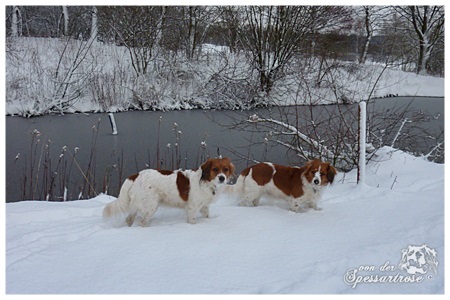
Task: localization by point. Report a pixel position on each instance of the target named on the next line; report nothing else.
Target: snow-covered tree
(191, 18)
(66, 20)
(16, 21)
(369, 33)
(428, 25)
(369, 21)
(94, 25)
(138, 28)
(196, 20)
(230, 22)
(274, 34)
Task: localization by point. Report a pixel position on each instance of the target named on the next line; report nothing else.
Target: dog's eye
(225, 169)
(216, 169)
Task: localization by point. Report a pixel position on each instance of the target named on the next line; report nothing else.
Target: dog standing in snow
(193, 189)
(300, 186)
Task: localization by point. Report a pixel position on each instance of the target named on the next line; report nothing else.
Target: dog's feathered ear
(206, 170)
(230, 164)
(331, 172)
(308, 164)
(232, 169)
(305, 168)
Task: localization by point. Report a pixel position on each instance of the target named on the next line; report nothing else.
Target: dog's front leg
(313, 205)
(205, 211)
(294, 205)
(191, 215)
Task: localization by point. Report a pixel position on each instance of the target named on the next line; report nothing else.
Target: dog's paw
(246, 204)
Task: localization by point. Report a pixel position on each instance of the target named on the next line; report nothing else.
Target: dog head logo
(418, 260)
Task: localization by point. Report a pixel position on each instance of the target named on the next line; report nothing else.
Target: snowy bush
(66, 75)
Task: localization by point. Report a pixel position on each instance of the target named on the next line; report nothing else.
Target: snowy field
(354, 245)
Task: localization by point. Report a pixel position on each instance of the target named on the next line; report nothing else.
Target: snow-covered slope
(356, 239)
(104, 80)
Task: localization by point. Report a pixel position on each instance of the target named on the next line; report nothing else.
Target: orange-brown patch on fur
(288, 180)
(311, 168)
(133, 177)
(183, 186)
(165, 172)
(331, 172)
(261, 173)
(214, 166)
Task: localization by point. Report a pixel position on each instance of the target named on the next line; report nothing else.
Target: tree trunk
(192, 27)
(66, 20)
(266, 81)
(94, 25)
(424, 51)
(428, 24)
(369, 34)
(14, 22)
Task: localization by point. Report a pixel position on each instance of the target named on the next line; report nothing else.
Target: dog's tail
(121, 204)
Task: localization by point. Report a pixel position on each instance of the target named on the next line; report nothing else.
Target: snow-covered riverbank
(63, 76)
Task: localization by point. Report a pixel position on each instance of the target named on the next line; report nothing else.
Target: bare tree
(331, 133)
(428, 25)
(272, 36)
(369, 21)
(138, 28)
(230, 22)
(191, 20)
(68, 81)
(369, 33)
(196, 21)
(43, 21)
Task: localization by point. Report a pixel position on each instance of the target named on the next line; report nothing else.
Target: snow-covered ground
(358, 238)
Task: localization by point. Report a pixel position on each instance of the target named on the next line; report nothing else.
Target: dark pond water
(80, 153)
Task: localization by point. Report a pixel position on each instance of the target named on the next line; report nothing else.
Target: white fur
(143, 195)
(312, 194)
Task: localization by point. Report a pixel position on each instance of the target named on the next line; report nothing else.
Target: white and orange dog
(142, 193)
(300, 186)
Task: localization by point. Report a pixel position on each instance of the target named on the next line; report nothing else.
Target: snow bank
(38, 72)
(57, 248)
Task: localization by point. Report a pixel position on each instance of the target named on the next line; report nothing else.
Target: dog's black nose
(316, 181)
(221, 178)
